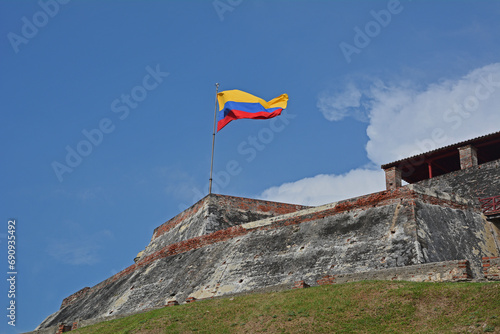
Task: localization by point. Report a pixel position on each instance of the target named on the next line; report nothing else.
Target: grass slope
(360, 307)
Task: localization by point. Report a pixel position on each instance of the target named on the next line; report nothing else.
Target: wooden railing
(490, 205)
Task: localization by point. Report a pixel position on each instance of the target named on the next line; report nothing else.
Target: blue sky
(128, 88)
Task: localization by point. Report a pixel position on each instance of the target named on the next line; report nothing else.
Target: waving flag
(235, 104)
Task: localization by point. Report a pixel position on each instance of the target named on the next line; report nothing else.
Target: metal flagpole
(213, 140)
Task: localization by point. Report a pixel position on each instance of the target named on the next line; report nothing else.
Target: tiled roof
(444, 149)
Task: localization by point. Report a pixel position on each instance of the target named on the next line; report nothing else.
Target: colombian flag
(235, 104)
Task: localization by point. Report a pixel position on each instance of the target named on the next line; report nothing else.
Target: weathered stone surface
(445, 234)
(478, 181)
(391, 229)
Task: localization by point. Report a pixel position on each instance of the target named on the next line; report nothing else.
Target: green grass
(361, 307)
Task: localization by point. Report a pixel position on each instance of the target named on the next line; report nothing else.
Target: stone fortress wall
(432, 230)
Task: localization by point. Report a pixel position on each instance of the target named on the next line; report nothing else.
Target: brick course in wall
(75, 296)
(248, 204)
(491, 268)
(62, 328)
(300, 285)
(172, 303)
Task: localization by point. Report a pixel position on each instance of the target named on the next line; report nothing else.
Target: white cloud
(337, 106)
(403, 121)
(322, 189)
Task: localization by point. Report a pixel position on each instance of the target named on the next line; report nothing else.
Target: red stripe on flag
(239, 114)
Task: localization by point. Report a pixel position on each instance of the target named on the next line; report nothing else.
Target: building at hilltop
(441, 226)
